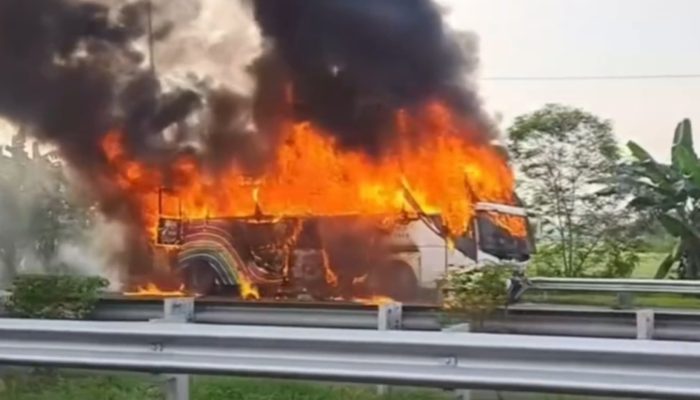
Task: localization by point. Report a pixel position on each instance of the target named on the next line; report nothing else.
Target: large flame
(446, 171)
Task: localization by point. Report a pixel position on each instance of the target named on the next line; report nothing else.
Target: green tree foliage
(54, 296)
(475, 293)
(671, 194)
(35, 211)
(559, 151)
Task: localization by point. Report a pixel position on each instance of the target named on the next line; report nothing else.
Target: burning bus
(399, 257)
(326, 222)
(330, 149)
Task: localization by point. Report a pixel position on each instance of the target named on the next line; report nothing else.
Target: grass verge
(73, 386)
(119, 387)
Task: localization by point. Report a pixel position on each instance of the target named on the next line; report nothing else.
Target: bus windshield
(497, 240)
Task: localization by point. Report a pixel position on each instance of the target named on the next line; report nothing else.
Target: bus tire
(200, 278)
(395, 280)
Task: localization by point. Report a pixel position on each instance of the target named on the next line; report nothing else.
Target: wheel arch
(212, 260)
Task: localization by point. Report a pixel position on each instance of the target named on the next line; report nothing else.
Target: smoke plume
(221, 78)
(77, 69)
(353, 64)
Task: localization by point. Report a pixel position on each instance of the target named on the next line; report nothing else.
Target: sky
(555, 38)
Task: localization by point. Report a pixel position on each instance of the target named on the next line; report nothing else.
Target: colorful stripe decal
(214, 245)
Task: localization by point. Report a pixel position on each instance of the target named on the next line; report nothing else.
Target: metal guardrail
(661, 370)
(595, 322)
(523, 319)
(293, 314)
(663, 286)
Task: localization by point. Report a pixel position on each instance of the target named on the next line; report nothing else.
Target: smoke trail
(209, 40)
(74, 70)
(209, 48)
(69, 99)
(354, 63)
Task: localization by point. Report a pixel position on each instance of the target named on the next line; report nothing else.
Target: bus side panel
(433, 253)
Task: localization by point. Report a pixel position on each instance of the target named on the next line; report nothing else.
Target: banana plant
(671, 193)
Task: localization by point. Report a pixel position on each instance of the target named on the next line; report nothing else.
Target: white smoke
(20, 200)
(92, 254)
(7, 129)
(212, 45)
(89, 252)
(212, 41)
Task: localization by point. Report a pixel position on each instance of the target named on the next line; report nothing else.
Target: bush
(54, 296)
(476, 293)
(608, 259)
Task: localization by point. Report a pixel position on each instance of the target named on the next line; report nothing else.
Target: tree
(560, 151)
(35, 211)
(671, 194)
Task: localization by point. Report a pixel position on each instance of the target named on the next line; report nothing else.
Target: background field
(648, 264)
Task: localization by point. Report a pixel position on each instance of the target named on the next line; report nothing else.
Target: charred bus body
(330, 257)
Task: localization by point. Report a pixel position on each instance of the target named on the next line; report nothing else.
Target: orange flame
(446, 172)
(516, 225)
(151, 289)
(374, 300)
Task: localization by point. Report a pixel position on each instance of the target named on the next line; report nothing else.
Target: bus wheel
(395, 280)
(200, 278)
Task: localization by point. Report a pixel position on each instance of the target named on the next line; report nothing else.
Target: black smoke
(71, 74)
(68, 101)
(70, 70)
(354, 63)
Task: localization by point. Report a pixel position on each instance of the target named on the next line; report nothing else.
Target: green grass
(120, 387)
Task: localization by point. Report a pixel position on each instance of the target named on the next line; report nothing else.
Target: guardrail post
(180, 309)
(177, 387)
(645, 324)
(460, 394)
(388, 319)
